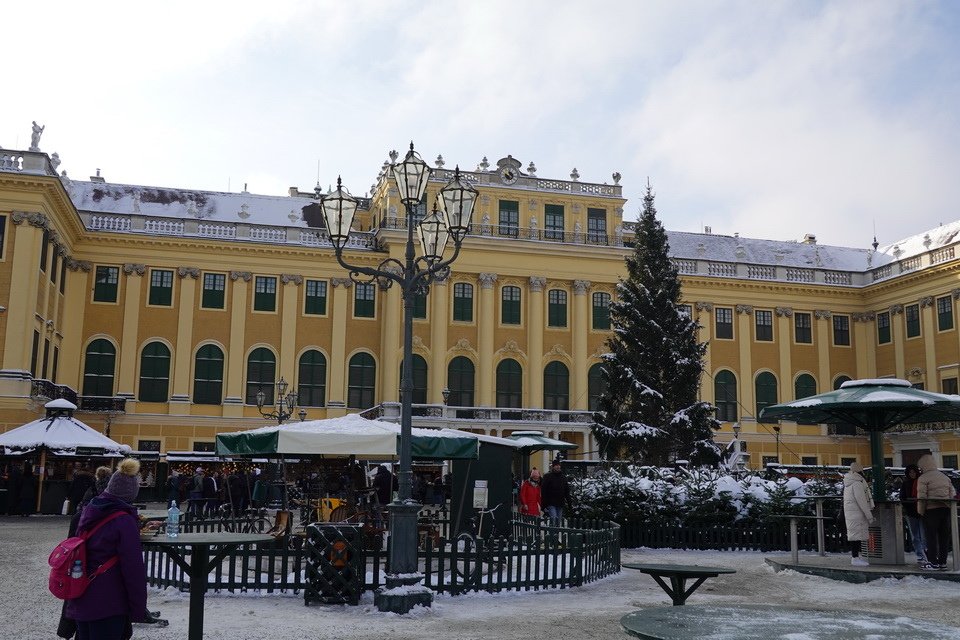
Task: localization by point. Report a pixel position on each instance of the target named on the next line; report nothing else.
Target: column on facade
(391, 355)
(822, 325)
(234, 397)
(899, 336)
(535, 327)
(76, 290)
(340, 307)
(866, 352)
(289, 313)
(784, 317)
(24, 288)
(702, 311)
(439, 321)
(127, 369)
(581, 327)
(744, 313)
(183, 350)
(929, 333)
(486, 319)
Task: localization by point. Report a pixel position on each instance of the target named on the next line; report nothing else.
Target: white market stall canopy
(347, 435)
(532, 441)
(61, 434)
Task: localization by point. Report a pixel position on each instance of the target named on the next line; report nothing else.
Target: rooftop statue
(35, 136)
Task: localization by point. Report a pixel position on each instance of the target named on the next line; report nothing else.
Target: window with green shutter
(764, 325)
(841, 330)
(765, 387)
(265, 293)
(911, 314)
(460, 380)
(601, 311)
(316, 298)
(724, 323)
(883, 327)
(105, 284)
(214, 288)
(596, 386)
(208, 375)
(312, 389)
(509, 223)
(556, 308)
(419, 379)
(463, 302)
(161, 288)
(261, 375)
(420, 306)
(945, 313)
(556, 387)
(98, 368)
(154, 373)
(802, 328)
(596, 226)
(363, 301)
(509, 384)
(725, 395)
(510, 305)
(553, 222)
(361, 381)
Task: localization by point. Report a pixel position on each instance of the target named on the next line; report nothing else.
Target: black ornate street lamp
(413, 275)
(285, 402)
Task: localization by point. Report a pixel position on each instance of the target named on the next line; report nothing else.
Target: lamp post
(413, 275)
(776, 433)
(285, 402)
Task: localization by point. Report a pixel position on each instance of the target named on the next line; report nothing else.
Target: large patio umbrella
(874, 406)
(530, 442)
(60, 434)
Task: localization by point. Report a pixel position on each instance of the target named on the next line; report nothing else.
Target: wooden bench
(678, 575)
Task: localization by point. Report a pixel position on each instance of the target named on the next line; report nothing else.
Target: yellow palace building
(162, 312)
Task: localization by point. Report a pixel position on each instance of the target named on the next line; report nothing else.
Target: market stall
(47, 449)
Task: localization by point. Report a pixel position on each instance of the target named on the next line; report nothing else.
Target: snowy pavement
(29, 612)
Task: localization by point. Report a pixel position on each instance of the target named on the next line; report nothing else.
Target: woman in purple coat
(118, 596)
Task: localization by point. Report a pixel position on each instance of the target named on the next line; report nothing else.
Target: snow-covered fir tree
(650, 411)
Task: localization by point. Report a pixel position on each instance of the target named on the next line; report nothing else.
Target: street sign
(89, 451)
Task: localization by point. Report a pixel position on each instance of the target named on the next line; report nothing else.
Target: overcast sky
(771, 119)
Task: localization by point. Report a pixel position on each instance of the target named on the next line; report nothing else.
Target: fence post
(821, 541)
(576, 554)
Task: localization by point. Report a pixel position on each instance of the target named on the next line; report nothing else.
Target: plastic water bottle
(77, 570)
(173, 521)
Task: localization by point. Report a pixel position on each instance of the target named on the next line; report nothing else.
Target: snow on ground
(29, 612)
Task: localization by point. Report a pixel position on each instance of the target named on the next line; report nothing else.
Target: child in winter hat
(125, 482)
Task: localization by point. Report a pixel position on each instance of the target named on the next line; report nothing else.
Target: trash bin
(334, 564)
(885, 544)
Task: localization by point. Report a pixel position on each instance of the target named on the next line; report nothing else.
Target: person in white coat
(857, 510)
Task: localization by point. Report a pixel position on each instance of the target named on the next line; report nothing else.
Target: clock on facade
(508, 175)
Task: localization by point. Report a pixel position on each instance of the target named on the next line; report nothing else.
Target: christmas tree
(650, 411)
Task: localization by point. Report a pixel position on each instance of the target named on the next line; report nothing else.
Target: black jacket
(554, 490)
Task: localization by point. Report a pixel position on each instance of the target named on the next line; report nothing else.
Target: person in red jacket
(530, 494)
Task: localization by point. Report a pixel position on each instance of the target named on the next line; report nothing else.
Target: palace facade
(162, 312)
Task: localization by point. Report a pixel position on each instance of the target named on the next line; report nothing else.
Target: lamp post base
(402, 593)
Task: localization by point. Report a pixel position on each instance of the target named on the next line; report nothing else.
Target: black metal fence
(534, 557)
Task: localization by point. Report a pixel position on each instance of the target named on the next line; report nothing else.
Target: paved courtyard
(31, 613)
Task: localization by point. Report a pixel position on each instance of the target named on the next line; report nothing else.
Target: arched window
(261, 374)
(99, 363)
(361, 381)
(839, 381)
(460, 374)
(556, 386)
(208, 375)
(312, 378)
(596, 386)
(509, 384)
(725, 392)
(419, 379)
(804, 386)
(765, 386)
(154, 372)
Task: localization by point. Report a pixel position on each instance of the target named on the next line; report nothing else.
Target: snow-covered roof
(60, 434)
(217, 206)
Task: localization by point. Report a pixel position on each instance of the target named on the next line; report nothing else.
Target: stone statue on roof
(35, 137)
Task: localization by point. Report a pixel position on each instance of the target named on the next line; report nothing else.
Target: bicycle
(250, 520)
(474, 554)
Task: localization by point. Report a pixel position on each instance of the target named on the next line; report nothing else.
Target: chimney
(293, 192)
(97, 177)
(809, 238)
(708, 230)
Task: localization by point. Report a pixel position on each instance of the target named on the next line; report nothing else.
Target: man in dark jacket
(908, 498)
(554, 493)
(82, 480)
(119, 595)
